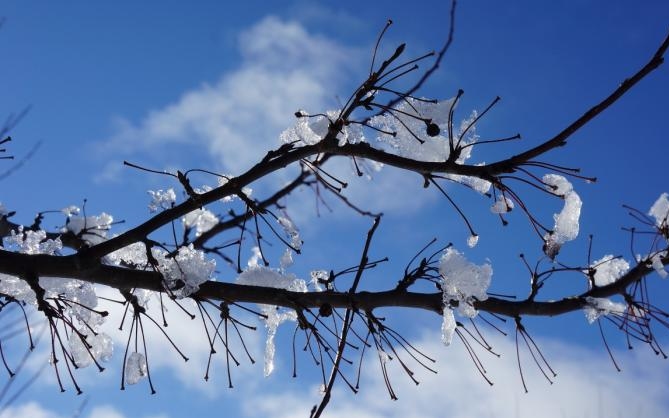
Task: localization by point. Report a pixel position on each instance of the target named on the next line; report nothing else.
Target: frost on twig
(598, 307)
(136, 368)
(92, 229)
(660, 210)
(566, 222)
(256, 275)
(608, 269)
(200, 219)
(462, 283)
(185, 272)
(311, 129)
(161, 199)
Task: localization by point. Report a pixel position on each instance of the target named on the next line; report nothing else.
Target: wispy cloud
(587, 386)
(28, 410)
(36, 410)
(229, 125)
(232, 122)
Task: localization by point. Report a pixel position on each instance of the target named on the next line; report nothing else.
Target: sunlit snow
(660, 209)
(608, 269)
(566, 222)
(161, 199)
(598, 307)
(256, 275)
(135, 368)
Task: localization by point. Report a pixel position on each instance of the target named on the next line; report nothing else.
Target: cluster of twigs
(338, 324)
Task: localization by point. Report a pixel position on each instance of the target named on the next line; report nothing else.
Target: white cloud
(233, 122)
(587, 386)
(28, 410)
(229, 125)
(105, 411)
(35, 410)
(109, 411)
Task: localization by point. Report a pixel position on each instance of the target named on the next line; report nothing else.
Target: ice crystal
(16, 288)
(81, 297)
(70, 210)
(92, 346)
(262, 276)
(135, 368)
(383, 356)
(286, 259)
(93, 229)
(608, 269)
(408, 120)
(133, 254)
(566, 222)
(223, 180)
(660, 210)
(448, 326)
(597, 307)
(309, 130)
(318, 278)
(184, 273)
(32, 242)
(658, 265)
(267, 277)
(291, 231)
(502, 205)
(200, 219)
(463, 281)
(161, 199)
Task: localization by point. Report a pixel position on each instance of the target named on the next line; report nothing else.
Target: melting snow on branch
(566, 222)
(660, 210)
(90, 346)
(409, 119)
(135, 368)
(162, 199)
(597, 307)
(318, 278)
(463, 282)
(256, 275)
(309, 130)
(79, 299)
(608, 269)
(16, 288)
(448, 326)
(658, 265)
(185, 272)
(291, 231)
(223, 180)
(93, 229)
(286, 259)
(133, 254)
(200, 219)
(502, 205)
(26, 242)
(32, 242)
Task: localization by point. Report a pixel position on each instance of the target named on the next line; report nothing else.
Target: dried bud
(325, 310)
(432, 129)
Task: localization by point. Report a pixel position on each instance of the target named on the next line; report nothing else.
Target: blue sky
(212, 85)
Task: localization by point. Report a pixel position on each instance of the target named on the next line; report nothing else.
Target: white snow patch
(609, 269)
